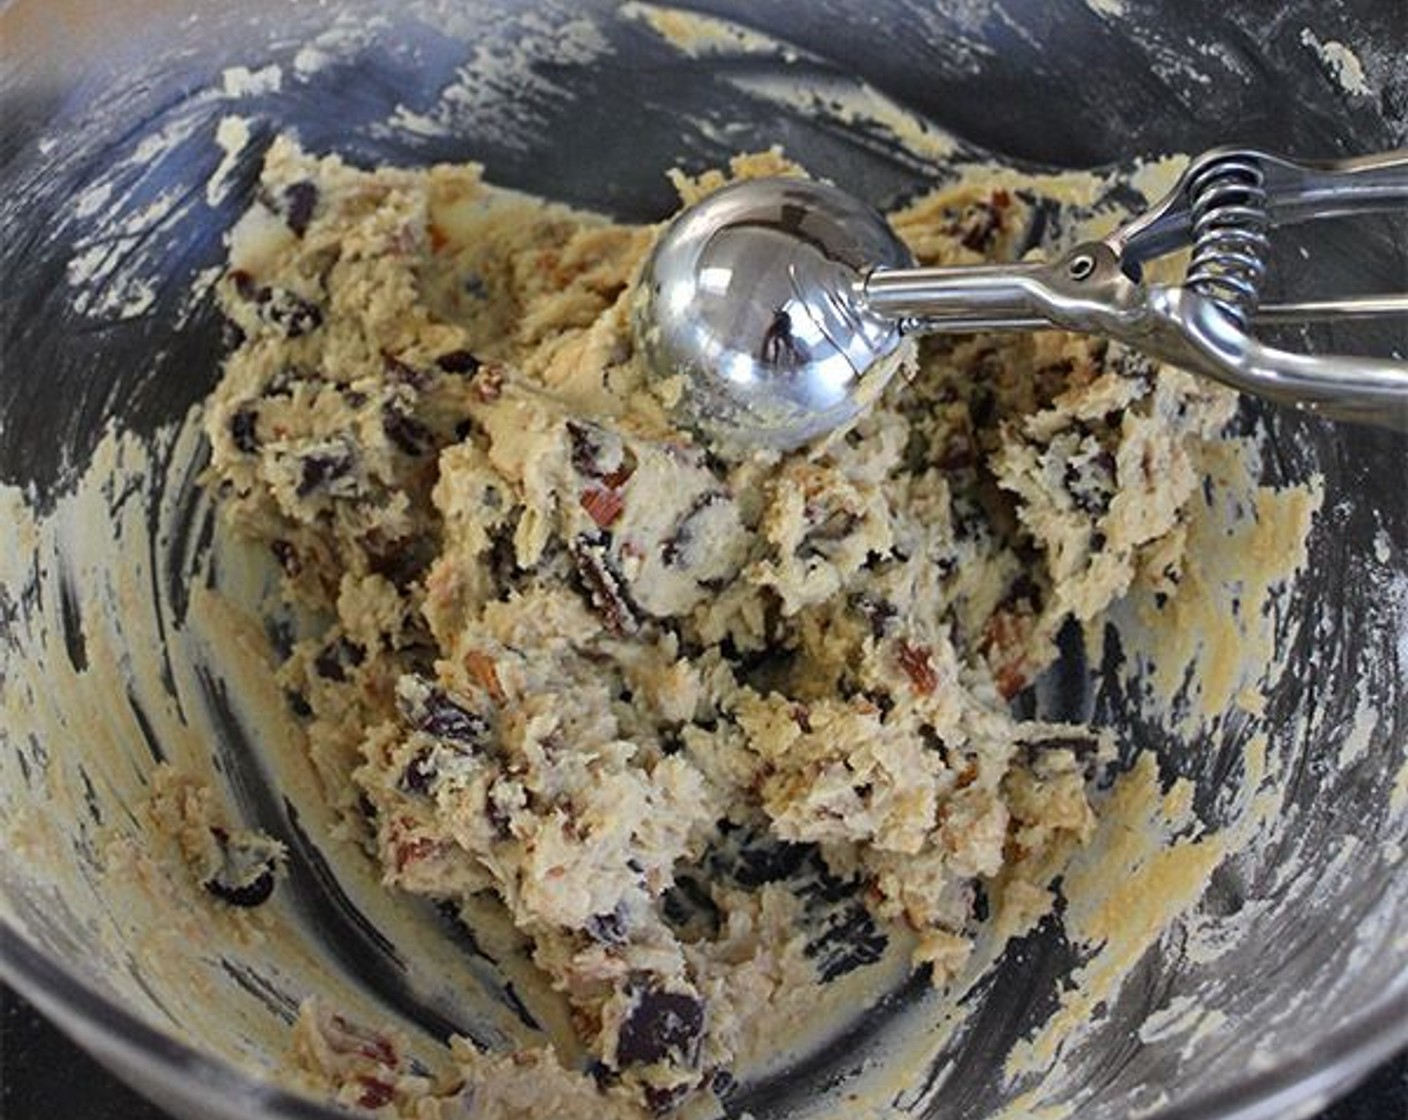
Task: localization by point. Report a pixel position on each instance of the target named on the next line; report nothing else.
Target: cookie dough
(710, 732)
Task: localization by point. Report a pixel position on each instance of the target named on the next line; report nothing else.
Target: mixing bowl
(1282, 981)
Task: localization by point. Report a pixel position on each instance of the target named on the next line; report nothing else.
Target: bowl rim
(126, 1044)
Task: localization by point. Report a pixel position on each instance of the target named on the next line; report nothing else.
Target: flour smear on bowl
(708, 755)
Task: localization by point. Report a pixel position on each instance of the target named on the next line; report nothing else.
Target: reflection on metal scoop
(773, 311)
(755, 298)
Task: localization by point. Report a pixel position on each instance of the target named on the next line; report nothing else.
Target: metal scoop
(772, 311)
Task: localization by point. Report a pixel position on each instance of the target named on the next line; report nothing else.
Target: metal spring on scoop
(1230, 221)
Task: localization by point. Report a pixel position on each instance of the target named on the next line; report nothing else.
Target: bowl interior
(1287, 975)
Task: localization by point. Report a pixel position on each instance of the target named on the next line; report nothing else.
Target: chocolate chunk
(403, 372)
(605, 589)
(831, 527)
(675, 547)
(244, 284)
(319, 469)
(232, 335)
(609, 929)
(880, 613)
(660, 1026)
(1091, 488)
(979, 224)
(290, 312)
(243, 430)
(1081, 745)
(300, 200)
(586, 441)
(458, 361)
(298, 704)
(933, 741)
(448, 720)
(689, 909)
(405, 431)
(248, 863)
(281, 383)
(279, 307)
(599, 453)
(429, 708)
(337, 657)
(287, 556)
(420, 774)
(982, 908)
(1022, 590)
(402, 561)
(662, 1099)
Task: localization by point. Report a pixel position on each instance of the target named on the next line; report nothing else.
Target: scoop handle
(960, 298)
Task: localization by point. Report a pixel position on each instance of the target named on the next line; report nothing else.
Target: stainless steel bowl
(1312, 988)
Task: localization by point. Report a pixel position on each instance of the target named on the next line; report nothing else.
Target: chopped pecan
(917, 663)
(603, 505)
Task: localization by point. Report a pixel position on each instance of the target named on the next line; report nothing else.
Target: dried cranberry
(376, 1093)
(660, 1026)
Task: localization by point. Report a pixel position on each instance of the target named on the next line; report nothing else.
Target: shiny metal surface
(778, 302)
(753, 297)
